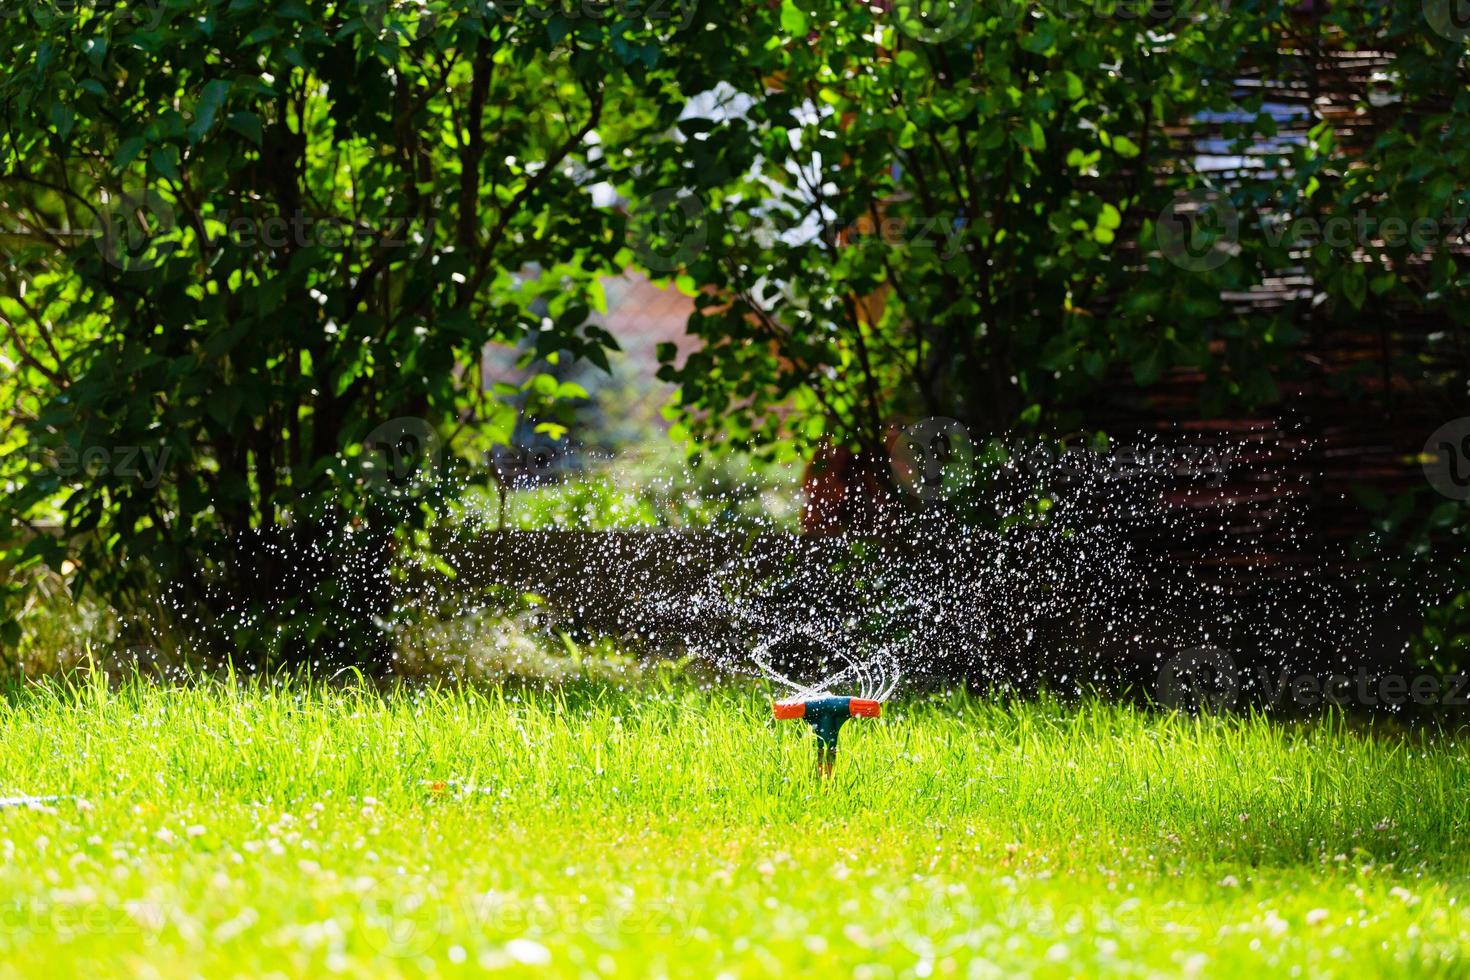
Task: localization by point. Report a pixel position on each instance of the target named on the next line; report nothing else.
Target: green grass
(232, 830)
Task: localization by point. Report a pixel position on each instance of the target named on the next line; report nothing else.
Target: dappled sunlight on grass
(682, 830)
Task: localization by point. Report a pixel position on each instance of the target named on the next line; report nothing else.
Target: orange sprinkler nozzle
(864, 708)
(790, 709)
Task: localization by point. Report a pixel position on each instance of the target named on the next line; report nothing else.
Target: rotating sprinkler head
(826, 715)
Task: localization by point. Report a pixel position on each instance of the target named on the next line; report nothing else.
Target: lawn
(228, 829)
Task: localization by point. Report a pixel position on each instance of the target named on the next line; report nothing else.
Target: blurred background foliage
(248, 240)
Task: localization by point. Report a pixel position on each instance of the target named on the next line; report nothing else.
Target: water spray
(826, 716)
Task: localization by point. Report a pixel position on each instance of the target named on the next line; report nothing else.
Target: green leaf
(62, 118)
(1146, 370)
(1355, 285)
(209, 105)
(598, 356)
(1125, 147)
(224, 406)
(162, 160)
(223, 339)
(1030, 136)
(260, 34)
(247, 124)
(793, 20)
(128, 151)
(1040, 39)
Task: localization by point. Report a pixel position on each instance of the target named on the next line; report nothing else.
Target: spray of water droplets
(1036, 566)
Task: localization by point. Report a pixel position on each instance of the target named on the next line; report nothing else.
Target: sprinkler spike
(826, 716)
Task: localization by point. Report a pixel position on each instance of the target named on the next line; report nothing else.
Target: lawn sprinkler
(826, 715)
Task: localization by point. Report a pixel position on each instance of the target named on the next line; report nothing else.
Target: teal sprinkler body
(826, 715)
